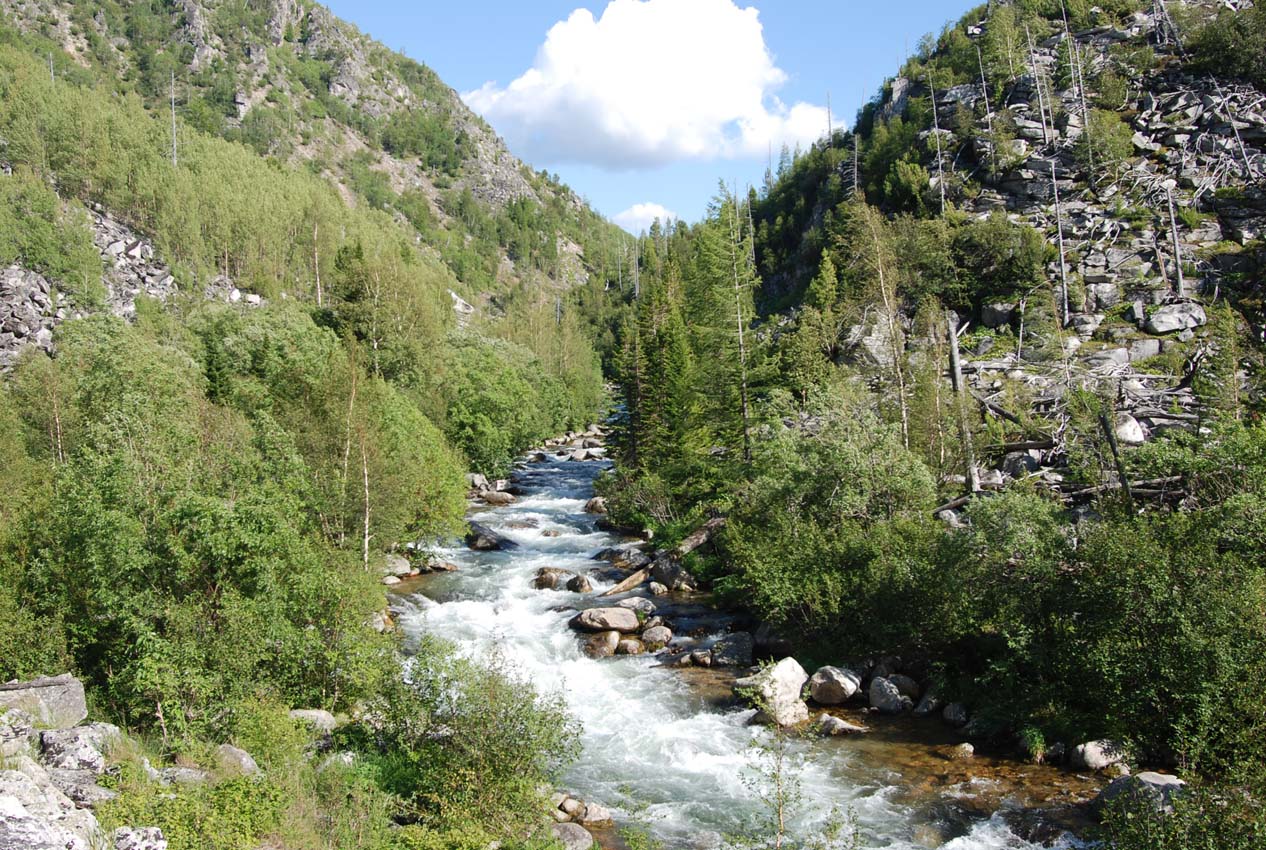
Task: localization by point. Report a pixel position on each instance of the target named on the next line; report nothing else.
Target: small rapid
(654, 749)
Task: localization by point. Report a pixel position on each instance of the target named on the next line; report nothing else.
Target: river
(658, 748)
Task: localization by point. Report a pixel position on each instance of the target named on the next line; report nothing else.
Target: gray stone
(1177, 317)
(906, 685)
(834, 726)
(237, 761)
(81, 748)
(131, 838)
(483, 539)
(551, 578)
(596, 505)
(929, 705)
(317, 719)
(81, 787)
(606, 619)
(657, 589)
(602, 645)
(657, 637)
(596, 816)
(887, 698)
(734, 650)
(963, 752)
(1142, 349)
(56, 703)
(572, 836)
(630, 646)
(1097, 755)
(638, 603)
(1157, 791)
(1129, 431)
(997, 315)
(834, 686)
(776, 692)
(36, 816)
(579, 584)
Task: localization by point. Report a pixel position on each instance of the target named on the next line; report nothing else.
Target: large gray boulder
(483, 539)
(1157, 791)
(36, 816)
(834, 686)
(572, 836)
(317, 719)
(17, 731)
(997, 315)
(603, 645)
(1098, 755)
(234, 760)
(606, 619)
(81, 748)
(887, 698)
(734, 650)
(776, 692)
(1177, 317)
(54, 703)
(657, 637)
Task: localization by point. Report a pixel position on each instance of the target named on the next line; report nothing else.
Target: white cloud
(639, 216)
(648, 83)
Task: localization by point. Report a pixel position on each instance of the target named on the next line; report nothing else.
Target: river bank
(667, 747)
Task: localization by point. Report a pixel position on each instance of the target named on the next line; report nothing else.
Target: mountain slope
(299, 85)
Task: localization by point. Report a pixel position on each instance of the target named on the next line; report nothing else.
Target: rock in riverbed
(606, 619)
(887, 698)
(834, 686)
(776, 692)
(573, 836)
(483, 539)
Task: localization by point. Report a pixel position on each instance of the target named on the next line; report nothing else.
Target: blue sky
(652, 102)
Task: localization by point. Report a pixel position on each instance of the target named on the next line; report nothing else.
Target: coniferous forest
(975, 384)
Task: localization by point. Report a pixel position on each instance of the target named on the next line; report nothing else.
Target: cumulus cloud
(648, 83)
(639, 216)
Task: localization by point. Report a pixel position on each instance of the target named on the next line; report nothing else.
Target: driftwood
(698, 537)
(629, 583)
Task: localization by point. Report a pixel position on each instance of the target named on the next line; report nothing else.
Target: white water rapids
(653, 749)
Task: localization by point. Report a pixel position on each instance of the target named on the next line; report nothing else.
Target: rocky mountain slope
(1153, 218)
(297, 84)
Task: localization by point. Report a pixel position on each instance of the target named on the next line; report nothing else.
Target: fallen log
(629, 583)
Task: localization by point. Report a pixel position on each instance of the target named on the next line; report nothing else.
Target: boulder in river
(630, 646)
(638, 603)
(834, 686)
(579, 584)
(907, 686)
(657, 589)
(551, 578)
(596, 816)
(496, 498)
(776, 692)
(886, 698)
(596, 505)
(483, 539)
(54, 703)
(602, 645)
(929, 705)
(834, 726)
(657, 637)
(606, 619)
(734, 650)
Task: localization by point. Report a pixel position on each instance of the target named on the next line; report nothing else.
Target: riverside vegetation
(786, 367)
(195, 502)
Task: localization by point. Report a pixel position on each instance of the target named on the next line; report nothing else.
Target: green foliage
(1204, 818)
(461, 738)
(1105, 145)
(39, 232)
(1233, 43)
(1000, 258)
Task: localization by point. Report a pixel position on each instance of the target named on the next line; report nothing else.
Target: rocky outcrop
(54, 703)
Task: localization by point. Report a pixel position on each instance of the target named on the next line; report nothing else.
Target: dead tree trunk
(956, 378)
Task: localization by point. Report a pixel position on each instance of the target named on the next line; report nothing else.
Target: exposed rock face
(1177, 317)
(26, 313)
(54, 703)
(776, 691)
(81, 748)
(150, 838)
(39, 817)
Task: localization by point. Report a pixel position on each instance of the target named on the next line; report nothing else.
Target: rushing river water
(655, 747)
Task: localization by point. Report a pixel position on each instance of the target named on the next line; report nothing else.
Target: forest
(195, 504)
